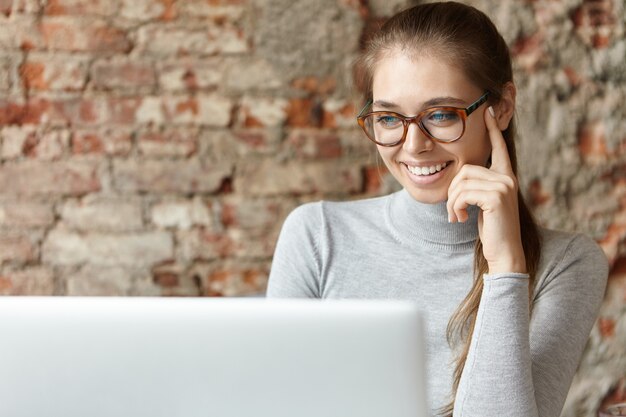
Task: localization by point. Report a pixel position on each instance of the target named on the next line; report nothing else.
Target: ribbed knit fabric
(394, 247)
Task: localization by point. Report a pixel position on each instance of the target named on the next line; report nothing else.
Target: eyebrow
(436, 101)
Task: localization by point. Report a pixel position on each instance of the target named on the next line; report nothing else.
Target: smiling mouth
(426, 170)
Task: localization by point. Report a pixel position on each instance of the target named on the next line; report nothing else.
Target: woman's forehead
(400, 78)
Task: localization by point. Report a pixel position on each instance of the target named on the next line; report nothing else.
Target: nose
(416, 141)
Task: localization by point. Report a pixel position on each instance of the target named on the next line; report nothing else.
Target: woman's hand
(494, 191)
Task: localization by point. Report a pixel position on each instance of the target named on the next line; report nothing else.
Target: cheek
(476, 150)
(386, 154)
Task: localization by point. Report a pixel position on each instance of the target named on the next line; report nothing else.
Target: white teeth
(426, 170)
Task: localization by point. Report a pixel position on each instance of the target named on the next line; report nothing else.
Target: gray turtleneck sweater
(394, 247)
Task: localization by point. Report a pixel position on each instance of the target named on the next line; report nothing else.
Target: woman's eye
(388, 121)
(442, 117)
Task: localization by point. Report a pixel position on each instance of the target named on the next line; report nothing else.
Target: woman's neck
(428, 223)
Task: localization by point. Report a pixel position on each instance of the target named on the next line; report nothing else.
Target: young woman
(509, 305)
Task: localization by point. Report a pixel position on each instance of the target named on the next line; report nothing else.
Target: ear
(506, 107)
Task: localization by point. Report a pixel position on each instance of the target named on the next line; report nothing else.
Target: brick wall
(153, 147)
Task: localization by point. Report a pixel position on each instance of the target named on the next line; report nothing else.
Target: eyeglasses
(443, 124)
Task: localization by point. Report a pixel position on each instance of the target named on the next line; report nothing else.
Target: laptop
(210, 357)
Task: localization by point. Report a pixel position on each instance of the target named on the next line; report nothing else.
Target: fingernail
(491, 112)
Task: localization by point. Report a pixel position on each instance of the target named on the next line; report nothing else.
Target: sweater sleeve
(296, 263)
(522, 366)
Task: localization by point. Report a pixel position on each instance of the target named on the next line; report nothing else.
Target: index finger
(500, 161)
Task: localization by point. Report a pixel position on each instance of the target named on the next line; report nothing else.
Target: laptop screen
(150, 357)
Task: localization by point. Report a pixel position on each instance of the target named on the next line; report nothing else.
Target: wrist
(513, 265)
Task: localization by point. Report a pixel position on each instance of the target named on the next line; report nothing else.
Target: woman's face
(405, 85)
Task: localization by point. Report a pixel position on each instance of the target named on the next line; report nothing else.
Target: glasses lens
(384, 128)
(443, 124)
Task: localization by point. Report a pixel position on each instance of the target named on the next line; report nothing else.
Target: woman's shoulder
(562, 244)
(572, 254)
(342, 211)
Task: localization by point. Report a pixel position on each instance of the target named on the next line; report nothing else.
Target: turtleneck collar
(418, 223)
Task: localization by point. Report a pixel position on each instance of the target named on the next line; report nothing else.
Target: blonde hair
(466, 38)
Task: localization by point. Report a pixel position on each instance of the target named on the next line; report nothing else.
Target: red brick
(269, 177)
(123, 74)
(252, 138)
(24, 214)
(105, 214)
(168, 143)
(80, 111)
(45, 72)
(338, 113)
(174, 280)
(201, 110)
(254, 74)
(62, 178)
(19, 32)
(210, 110)
(206, 39)
(166, 279)
(182, 214)
(304, 112)
(151, 111)
(592, 142)
(619, 267)
(232, 145)
(537, 195)
(228, 9)
(315, 85)
(31, 112)
(14, 138)
(47, 145)
(177, 176)
(200, 244)
(374, 179)
(595, 22)
(96, 280)
(5, 77)
(314, 144)
(86, 34)
(17, 248)
(607, 327)
(528, 52)
(190, 75)
(574, 78)
(262, 112)
(126, 250)
(251, 244)
(115, 142)
(32, 74)
(80, 7)
(28, 281)
(123, 110)
(257, 216)
(616, 395)
(228, 279)
(6, 6)
(145, 10)
(99, 110)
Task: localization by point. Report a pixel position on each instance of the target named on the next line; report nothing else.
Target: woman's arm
(296, 263)
(521, 367)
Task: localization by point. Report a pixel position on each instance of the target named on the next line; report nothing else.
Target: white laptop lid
(151, 357)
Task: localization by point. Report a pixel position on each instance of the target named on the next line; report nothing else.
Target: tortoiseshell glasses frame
(463, 113)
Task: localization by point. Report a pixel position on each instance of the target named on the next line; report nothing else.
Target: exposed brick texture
(154, 147)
